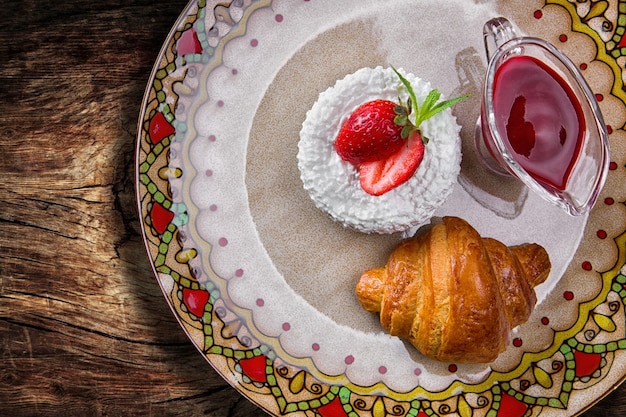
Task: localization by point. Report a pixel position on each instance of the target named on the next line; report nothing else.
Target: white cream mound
(333, 184)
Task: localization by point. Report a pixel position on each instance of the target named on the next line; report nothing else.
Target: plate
(263, 282)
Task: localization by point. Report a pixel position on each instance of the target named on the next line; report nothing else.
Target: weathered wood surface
(84, 328)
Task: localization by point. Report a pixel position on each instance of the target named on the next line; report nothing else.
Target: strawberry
(378, 177)
(382, 163)
(369, 134)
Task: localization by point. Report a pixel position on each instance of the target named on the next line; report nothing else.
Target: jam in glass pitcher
(540, 121)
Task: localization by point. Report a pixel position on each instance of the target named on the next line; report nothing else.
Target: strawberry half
(384, 141)
(378, 177)
(370, 133)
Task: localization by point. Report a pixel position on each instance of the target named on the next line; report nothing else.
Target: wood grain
(84, 328)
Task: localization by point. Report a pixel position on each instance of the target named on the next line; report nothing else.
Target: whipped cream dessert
(333, 184)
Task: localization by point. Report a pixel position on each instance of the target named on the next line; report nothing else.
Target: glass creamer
(540, 121)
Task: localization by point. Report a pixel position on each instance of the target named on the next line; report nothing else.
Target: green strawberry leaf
(412, 99)
(400, 110)
(432, 97)
(401, 120)
(428, 109)
(406, 131)
(442, 105)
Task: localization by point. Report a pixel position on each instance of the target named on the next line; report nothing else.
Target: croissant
(454, 295)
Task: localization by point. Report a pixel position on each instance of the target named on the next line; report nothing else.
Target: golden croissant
(454, 295)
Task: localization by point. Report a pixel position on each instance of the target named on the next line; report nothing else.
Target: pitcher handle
(497, 32)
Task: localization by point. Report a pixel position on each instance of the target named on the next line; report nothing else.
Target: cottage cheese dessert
(335, 185)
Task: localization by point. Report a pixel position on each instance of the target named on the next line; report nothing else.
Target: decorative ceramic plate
(263, 282)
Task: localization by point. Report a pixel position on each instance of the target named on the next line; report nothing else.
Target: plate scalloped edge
(549, 387)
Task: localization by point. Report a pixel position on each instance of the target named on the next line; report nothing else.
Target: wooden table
(84, 327)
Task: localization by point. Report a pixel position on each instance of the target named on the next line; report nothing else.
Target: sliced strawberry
(378, 177)
(383, 140)
(370, 133)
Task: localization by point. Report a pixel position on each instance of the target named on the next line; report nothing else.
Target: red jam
(539, 118)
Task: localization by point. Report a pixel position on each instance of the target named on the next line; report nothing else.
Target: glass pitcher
(539, 120)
